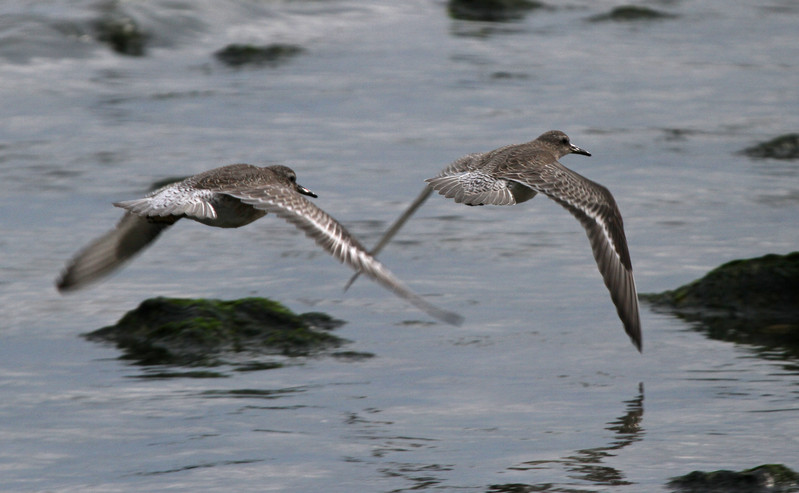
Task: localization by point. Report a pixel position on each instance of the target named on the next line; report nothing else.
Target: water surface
(539, 387)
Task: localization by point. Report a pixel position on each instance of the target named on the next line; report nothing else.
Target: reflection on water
(587, 464)
(385, 94)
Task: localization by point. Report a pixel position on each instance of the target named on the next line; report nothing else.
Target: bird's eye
(564, 140)
(293, 179)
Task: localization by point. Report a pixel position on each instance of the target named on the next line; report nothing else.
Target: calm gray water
(540, 386)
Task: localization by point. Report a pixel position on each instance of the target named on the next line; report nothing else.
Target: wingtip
(64, 285)
(638, 343)
(634, 331)
(351, 281)
(440, 314)
(445, 316)
(68, 282)
(61, 286)
(454, 319)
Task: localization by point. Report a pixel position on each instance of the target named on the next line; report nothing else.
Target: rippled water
(539, 387)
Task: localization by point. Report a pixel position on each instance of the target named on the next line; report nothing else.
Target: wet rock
(208, 332)
(782, 147)
(627, 13)
(490, 10)
(238, 55)
(754, 301)
(770, 478)
(517, 488)
(121, 33)
(741, 288)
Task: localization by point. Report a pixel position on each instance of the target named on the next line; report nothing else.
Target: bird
(516, 173)
(230, 197)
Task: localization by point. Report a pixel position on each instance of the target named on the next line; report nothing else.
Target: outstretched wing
(109, 252)
(595, 208)
(336, 240)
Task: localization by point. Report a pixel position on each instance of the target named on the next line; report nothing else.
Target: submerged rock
(631, 13)
(238, 55)
(208, 332)
(490, 10)
(782, 147)
(121, 33)
(754, 301)
(770, 478)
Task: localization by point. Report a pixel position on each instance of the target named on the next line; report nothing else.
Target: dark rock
(203, 332)
(517, 488)
(770, 478)
(782, 147)
(626, 13)
(754, 301)
(237, 55)
(490, 10)
(183, 374)
(740, 288)
(352, 355)
(122, 34)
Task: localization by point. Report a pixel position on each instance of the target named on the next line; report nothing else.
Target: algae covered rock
(626, 13)
(238, 55)
(122, 34)
(741, 288)
(770, 478)
(754, 301)
(782, 147)
(490, 10)
(207, 332)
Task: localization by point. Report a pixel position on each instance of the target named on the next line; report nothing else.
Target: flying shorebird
(516, 173)
(230, 197)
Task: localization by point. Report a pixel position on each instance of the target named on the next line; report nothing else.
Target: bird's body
(229, 197)
(514, 174)
(204, 197)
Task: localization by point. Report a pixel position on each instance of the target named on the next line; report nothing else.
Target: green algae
(767, 284)
(627, 13)
(490, 10)
(751, 301)
(122, 34)
(239, 55)
(783, 147)
(207, 332)
(771, 478)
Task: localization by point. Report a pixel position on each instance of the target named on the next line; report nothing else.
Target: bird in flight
(230, 197)
(516, 173)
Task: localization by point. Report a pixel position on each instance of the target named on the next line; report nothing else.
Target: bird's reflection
(587, 464)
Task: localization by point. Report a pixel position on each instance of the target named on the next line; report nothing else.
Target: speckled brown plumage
(516, 173)
(230, 197)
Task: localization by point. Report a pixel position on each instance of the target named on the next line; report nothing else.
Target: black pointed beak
(305, 191)
(578, 150)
